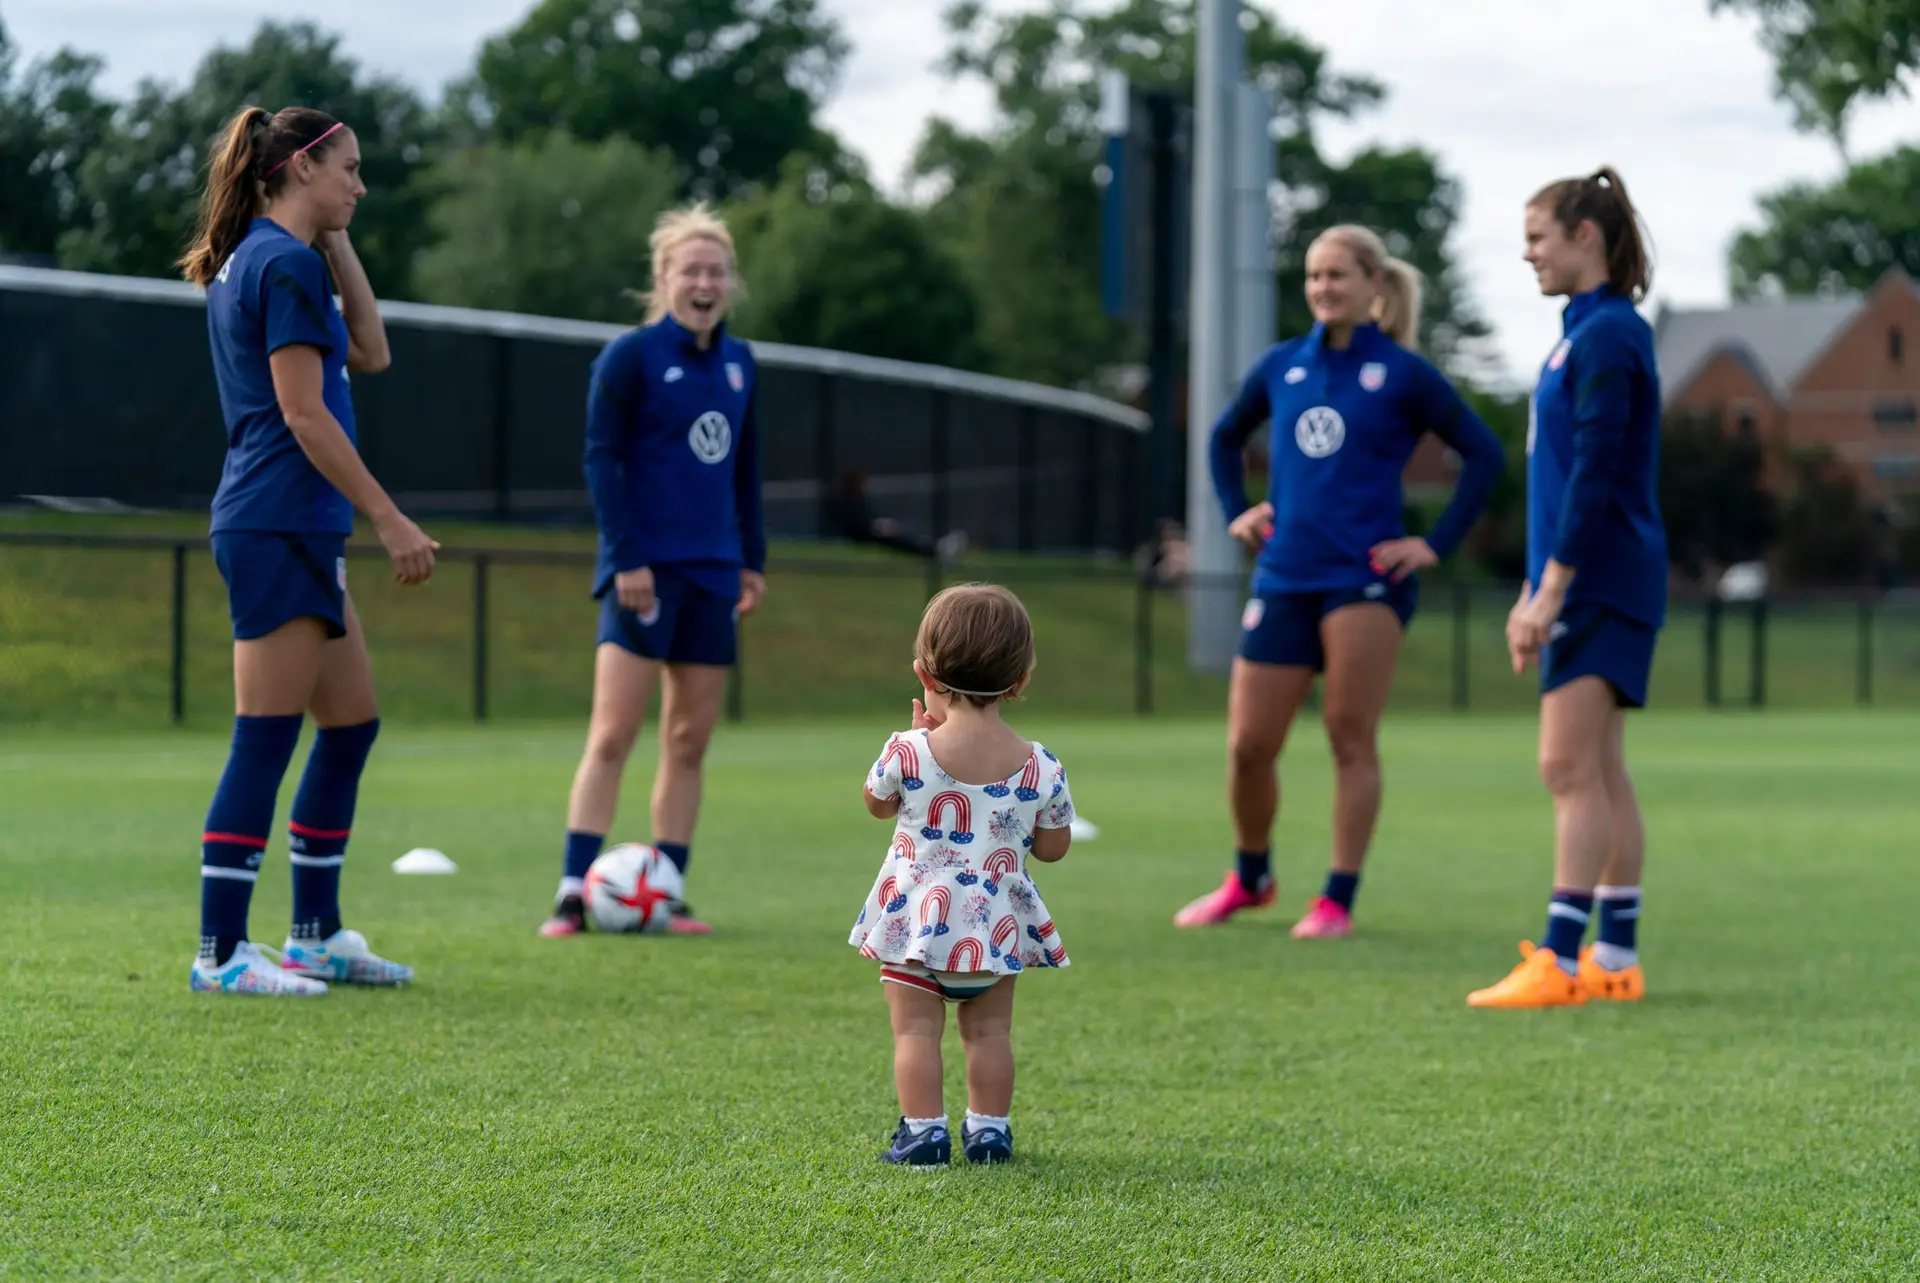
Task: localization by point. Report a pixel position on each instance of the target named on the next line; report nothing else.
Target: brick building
(1842, 373)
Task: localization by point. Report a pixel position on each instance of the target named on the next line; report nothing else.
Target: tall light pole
(1212, 621)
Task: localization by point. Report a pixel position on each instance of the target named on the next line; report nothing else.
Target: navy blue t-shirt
(673, 457)
(1345, 423)
(273, 293)
(1593, 461)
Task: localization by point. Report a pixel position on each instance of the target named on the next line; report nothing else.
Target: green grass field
(85, 635)
(1220, 1105)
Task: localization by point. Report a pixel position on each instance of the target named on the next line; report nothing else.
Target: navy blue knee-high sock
(1567, 918)
(238, 823)
(322, 822)
(582, 850)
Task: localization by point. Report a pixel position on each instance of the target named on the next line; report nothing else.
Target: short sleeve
(1056, 806)
(884, 780)
(294, 302)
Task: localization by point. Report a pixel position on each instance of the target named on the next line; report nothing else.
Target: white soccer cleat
(343, 956)
(253, 969)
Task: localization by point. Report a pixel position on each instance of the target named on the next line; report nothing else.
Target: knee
(984, 1033)
(1248, 749)
(610, 746)
(1565, 773)
(684, 742)
(1353, 740)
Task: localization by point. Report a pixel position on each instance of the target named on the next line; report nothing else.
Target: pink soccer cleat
(1215, 907)
(1325, 920)
(683, 923)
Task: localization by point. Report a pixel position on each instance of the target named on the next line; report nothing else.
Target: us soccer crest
(1373, 376)
(736, 377)
(1559, 357)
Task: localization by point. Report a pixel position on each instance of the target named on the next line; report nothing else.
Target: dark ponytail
(1602, 199)
(247, 165)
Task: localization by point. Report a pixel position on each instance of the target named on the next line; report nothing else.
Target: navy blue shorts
(689, 624)
(275, 577)
(1590, 640)
(1284, 628)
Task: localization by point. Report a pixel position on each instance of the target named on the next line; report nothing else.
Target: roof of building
(1777, 339)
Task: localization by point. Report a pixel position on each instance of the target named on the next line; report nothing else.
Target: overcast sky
(1510, 93)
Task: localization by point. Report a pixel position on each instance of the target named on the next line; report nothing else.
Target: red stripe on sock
(329, 834)
(235, 839)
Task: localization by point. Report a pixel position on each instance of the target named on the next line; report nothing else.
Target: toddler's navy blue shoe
(932, 1148)
(987, 1144)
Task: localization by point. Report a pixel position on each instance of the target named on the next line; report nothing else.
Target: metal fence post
(178, 680)
(1462, 646)
(1143, 645)
(1757, 694)
(1863, 669)
(1711, 635)
(480, 612)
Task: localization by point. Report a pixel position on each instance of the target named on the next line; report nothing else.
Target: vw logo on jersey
(1373, 376)
(1296, 374)
(736, 377)
(711, 436)
(1320, 431)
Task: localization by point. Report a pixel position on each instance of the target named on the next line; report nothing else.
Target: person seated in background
(848, 514)
(1165, 560)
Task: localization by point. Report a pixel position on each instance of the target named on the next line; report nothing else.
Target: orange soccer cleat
(1626, 985)
(1537, 982)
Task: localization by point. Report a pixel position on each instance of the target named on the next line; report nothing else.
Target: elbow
(372, 362)
(305, 421)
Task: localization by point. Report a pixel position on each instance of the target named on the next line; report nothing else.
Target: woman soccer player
(273, 228)
(1333, 586)
(673, 461)
(1596, 590)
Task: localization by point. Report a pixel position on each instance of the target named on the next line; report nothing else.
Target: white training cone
(1083, 831)
(423, 860)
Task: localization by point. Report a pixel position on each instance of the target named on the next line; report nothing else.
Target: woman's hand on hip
(635, 590)
(1253, 526)
(753, 589)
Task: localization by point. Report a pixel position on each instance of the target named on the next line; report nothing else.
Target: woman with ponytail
(280, 193)
(1596, 591)
(1333, 583)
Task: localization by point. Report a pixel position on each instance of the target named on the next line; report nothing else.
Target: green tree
(730, 87)
(552, 226)
(1825, 240)
(1828, 536)
(1713, 495)
(1030, 176)
(142, 181)
(1829, 55)
(831, 264)
(50, 119)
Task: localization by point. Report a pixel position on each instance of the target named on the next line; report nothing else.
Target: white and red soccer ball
(632, 887)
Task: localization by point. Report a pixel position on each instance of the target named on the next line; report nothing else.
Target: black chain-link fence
(134, 630)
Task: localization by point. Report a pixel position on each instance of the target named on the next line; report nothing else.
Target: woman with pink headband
(270, 250)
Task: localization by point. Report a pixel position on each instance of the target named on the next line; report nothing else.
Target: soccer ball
(633, 888)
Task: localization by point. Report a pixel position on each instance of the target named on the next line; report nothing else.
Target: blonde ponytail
(1398, 306)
